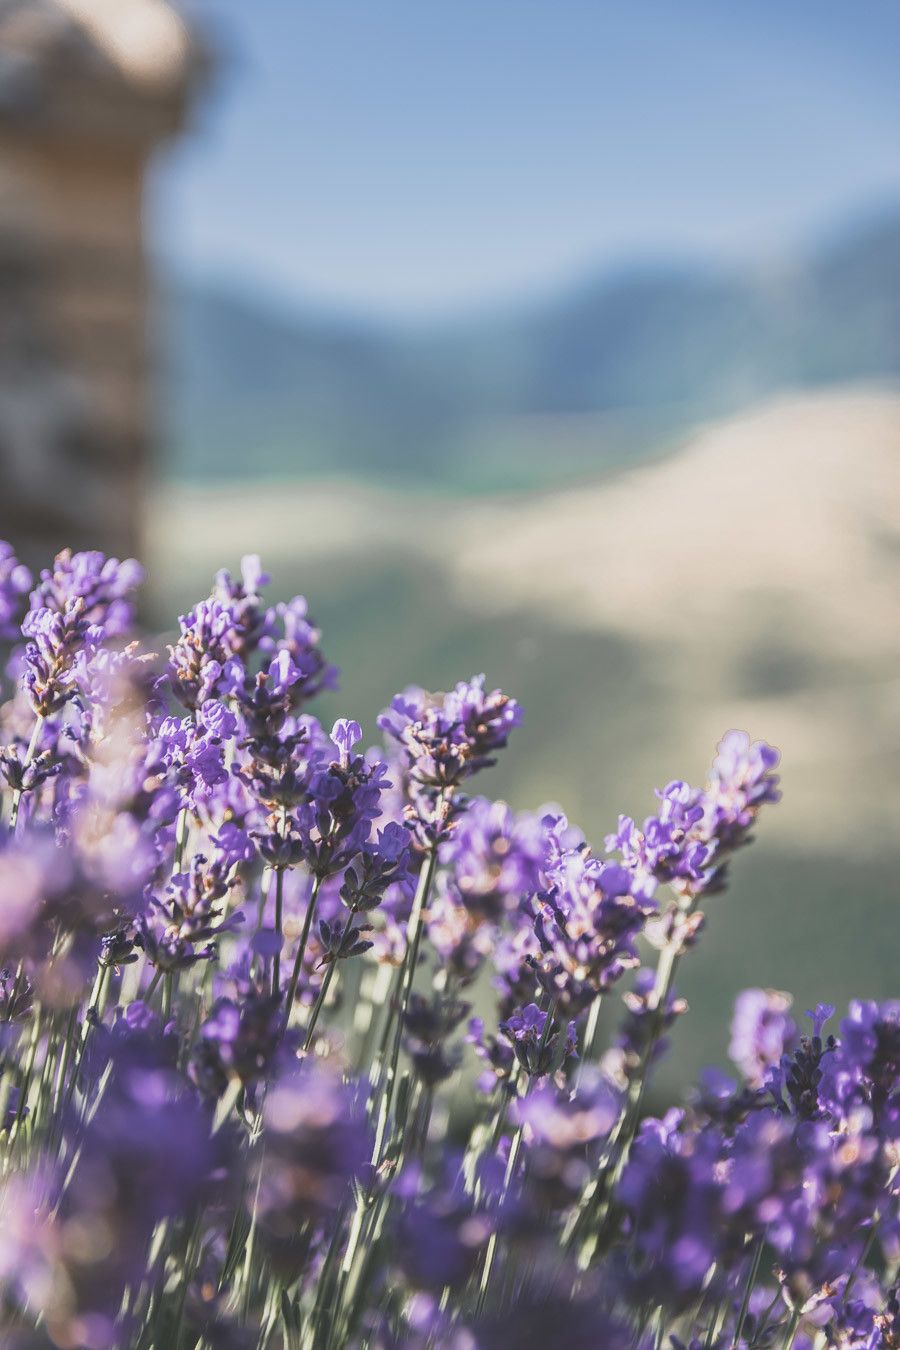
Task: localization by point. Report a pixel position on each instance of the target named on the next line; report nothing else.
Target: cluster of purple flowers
(793, 1170)
(238, 961)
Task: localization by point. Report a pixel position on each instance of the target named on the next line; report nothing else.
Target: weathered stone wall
(76, 134)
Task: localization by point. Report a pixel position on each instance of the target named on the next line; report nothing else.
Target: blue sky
(414, 156)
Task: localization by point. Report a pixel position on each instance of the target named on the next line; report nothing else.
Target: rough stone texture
(88, 90)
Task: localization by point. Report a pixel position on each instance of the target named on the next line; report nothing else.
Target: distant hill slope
(603, 374)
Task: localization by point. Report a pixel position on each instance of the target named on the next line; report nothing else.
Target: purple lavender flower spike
(686, 845)
(301, 641)
(438, 1237)
(147, 1154)
(243, 1038)
(496, 857)
(462, 945)
(534, 1042)
(59, 644)
(762, 1031)
(862, 1076)
(15, 583)
(575, 936)
(181, 928)
(103, 587)
(218, 719)
(640, 1040)
(447, 737)
(563, 1133)
(741, 781)
(317, 1144)
(253, 577)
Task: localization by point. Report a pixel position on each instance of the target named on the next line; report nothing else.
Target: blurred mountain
(607, 373)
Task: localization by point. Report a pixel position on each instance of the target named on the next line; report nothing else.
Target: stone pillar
(88, 90)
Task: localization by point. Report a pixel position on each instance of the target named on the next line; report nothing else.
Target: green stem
(323, 992)
(863, 1257)
(507, 1090)
(408, 972)
(512, 1161)
(491, 1249)
(94, 1013)
(665, 975)
(301, 948)
(63, 1067)
(27, 1076)
(279, 929)
(374, 998)
(748, 1290)
(181, 834)
(405, 976)
(317, 1006)
(392, 999)
(29, 757)
(152, 986)
(590, 1036)
(250, 1246)
(595, 1200)
(791, 1332)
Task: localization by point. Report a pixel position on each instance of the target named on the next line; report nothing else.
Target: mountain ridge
(654, 349)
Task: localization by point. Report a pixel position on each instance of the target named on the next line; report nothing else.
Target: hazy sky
(415, 155)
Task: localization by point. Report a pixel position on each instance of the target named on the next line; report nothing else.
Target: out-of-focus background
(559, 342)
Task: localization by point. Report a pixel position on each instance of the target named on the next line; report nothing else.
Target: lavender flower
(241, 1039)
(438, 1237)
(59, 644)
(300, 641)
(223, 635)
(317, 1144)
(553, 1312)
(190, 757)
(742, 780)
(179, 928)
(563, 1132)
(640, 1041)
(342, 800)
(428, 1024)
(798, 1076)
(537, 1040)
(147, 1154)
(15, 583)
(685, 845)
(101, 587)
(671, 1191)
(577, 937)
(448, 737)
(762, 1031)
(462, 943)
(496, 857)
(863, 1072)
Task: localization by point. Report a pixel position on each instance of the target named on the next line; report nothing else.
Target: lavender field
(240, 949)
